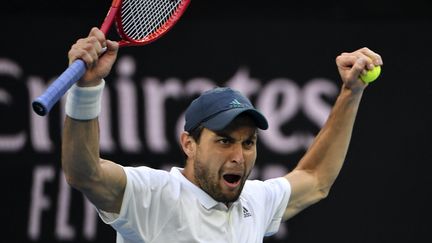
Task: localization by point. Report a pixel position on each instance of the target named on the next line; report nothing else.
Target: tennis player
(211, 198)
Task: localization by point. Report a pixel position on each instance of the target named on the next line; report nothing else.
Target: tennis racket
(139, 22)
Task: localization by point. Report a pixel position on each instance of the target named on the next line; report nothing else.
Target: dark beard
(211, 186)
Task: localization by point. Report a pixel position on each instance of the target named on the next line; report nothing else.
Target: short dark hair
(196, 133)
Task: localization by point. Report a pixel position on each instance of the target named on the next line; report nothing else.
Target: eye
(224, 141)
(249, 143)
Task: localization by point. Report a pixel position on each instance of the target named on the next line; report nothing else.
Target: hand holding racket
(139, 22)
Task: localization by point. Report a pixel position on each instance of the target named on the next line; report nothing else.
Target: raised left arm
(316, 172)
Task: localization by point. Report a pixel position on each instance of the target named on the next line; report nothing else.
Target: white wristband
(84, 103)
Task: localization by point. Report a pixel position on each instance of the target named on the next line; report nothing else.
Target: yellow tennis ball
(371, 75)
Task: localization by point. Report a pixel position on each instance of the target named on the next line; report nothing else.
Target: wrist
(84, 103)
(352, 96)
(353, 90)
(82, 83)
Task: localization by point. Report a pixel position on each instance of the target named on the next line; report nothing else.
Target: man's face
(223, 160)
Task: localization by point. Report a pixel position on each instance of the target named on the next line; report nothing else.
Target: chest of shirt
(218, 224)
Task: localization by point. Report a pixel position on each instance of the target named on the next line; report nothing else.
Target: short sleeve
(278, 194)
(269, 200)
(149, 195)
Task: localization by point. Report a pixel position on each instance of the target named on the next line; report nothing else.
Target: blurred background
(281, 54)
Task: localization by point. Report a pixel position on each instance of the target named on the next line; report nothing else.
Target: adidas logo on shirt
(246, 213)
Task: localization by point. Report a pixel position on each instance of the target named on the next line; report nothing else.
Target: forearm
(326, 155)
(101, 181)
(80, 151)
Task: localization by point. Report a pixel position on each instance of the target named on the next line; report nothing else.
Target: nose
(237, 153)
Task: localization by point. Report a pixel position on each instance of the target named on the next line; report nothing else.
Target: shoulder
(275, 185)
(273, 191)
(146, 174)
(144, 178)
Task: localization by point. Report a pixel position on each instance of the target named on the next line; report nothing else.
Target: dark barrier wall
(285, 62)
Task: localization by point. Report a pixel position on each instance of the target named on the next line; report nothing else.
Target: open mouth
(232, 178)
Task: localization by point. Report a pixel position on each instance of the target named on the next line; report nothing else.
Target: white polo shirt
(164, 207)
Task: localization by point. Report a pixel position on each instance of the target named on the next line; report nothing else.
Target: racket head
(140, 22)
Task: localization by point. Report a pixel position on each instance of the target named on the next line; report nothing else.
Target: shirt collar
(205, 200)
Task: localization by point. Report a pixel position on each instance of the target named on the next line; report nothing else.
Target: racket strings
(141, 18)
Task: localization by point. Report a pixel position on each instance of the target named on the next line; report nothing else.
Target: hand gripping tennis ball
(371, 75)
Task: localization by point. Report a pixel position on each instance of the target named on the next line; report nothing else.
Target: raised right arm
(101, 181)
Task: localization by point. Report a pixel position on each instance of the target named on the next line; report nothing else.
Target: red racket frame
(114, 14)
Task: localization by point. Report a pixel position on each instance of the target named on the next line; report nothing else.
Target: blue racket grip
(43, 104)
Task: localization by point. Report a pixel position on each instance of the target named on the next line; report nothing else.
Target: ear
(188, 144)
